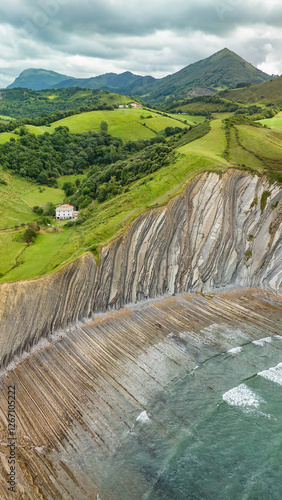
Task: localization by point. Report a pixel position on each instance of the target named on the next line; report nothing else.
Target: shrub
(263, 200)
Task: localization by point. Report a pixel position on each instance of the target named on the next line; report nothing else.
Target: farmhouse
(66, 212)
(132, 105)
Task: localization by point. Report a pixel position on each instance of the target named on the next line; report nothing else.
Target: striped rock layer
(215, 233)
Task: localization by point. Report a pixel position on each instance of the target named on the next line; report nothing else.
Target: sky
(84, 38)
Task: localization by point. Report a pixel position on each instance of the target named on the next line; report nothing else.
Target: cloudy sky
(157, 37)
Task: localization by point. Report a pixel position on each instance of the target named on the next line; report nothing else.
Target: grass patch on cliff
(12, 242)
(39, 256)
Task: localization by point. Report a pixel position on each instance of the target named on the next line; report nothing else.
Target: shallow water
(214, 433)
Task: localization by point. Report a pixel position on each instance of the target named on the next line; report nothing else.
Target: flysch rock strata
(79, 398)
(213, 234)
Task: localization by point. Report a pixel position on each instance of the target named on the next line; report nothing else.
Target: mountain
(222, 70)
(38, 79)
(108, 81)
(225, 69)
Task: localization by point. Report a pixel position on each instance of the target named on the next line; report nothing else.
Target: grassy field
(3, 117)
(69, 178)
(39, 130)
(42, 195)
(18, 197)
(13, 210)
(273, 122)
(124, 123)
(211, 145)
(39, 256)
(6, 136)
(12, 241)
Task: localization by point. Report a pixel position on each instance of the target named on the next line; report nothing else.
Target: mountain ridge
(221, 70)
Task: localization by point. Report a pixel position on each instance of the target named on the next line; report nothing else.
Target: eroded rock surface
(92, 407)
(211, 235)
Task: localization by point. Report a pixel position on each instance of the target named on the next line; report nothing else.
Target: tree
(104, 126)
(29, 235)
(50, 209)
(69, 188)
(38, 210)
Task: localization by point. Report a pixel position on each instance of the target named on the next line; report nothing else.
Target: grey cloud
(146, 37)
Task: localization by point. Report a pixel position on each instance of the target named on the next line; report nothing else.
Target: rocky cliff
(219, 231)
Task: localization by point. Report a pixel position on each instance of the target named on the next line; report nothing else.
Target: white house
(66, 212)
(132, 105)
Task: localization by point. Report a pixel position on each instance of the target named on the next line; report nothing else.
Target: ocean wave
(261, 342)
(242, 396)
(274, 374)
(143, 417)
(235, 350)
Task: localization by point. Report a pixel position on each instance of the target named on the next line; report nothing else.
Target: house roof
(65, 207)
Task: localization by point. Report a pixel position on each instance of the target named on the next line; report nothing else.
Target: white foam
(261, 342)
(274, 374)
(242, 396)
(143, 417)
(235, 350)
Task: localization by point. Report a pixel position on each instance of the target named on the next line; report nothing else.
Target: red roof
(65, 207)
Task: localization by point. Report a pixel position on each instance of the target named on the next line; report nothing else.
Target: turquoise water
(214, 433)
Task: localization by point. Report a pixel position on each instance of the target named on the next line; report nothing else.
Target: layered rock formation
(215, 233)
(83, 403)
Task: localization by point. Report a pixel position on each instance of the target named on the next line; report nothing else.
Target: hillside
(267, 93)
(129, 124)
(255, 149)
(108, 81)
(221, 70)
(25, 103)
(37, 79)
(42, 79)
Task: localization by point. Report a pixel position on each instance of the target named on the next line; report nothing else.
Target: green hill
(25, 103)
(129, 124)
(37, 79)
(40, 79)
(221, 70)
(108, 81)
(268, 93)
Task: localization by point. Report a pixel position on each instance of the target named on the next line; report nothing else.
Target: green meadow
(42, 195)
(125, 123)
(6, 136)
(276, 121)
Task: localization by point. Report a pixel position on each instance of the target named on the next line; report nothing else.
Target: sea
(213, 433)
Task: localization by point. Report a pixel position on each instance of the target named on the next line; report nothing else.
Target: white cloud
(87, 38)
